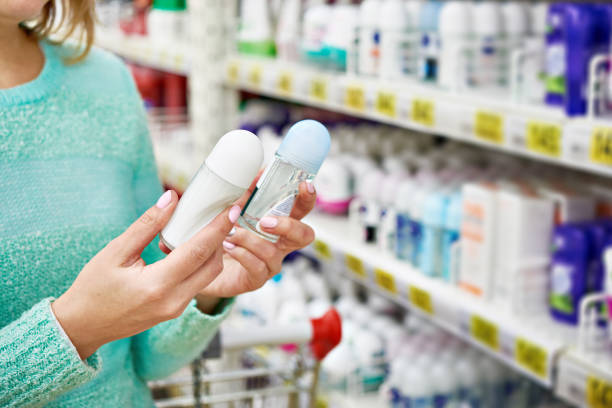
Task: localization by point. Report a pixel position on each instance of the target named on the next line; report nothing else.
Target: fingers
(264, 249)
(257, 271)
(293, 233)
(243, 199)
(137, 236)
(203, 276)
(305, 201)
(190, 256)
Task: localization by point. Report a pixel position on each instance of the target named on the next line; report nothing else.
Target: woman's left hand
(250, 260)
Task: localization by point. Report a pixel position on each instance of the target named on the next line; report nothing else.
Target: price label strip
(355, 265)
(600, 151)
(233, 72)
(489, 127)
(544, 138)
(322, 249)
(485, 332)
(318, 89)
(423, 112)
(255, 76)
(285, 82)
(421, 299)
(386, 104)
(354, 98)
(532, 357)
(598, 393)
(385, 281)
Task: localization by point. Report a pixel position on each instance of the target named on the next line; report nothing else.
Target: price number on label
(386, 104)
(485, 332)
(532, 357)
(318, 89)
(423, 112)
(598, 393)
(601, 146)
(355, 265)
(354, 98)
(385, 280)
(255, 75)
(489, 127)
(544, 138)
(421, 299)
(322, 249)
(232, 72)
(285, 82)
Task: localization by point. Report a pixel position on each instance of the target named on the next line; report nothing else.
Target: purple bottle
(576, 32)
(568, 271)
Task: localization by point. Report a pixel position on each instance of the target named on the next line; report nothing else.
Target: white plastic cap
(455, 18)
(516, 18)
(488, 19)
(236, 158)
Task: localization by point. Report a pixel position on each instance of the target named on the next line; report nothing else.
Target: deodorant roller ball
(226, 174)
(298, 159)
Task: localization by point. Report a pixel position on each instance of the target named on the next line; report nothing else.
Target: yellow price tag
(531, 356)
(318, 89)
(385, 280)
(485, 332)
(355, 265)
(232, 72)
(285, 82)
(178, 61)
(354, 98)
(601, 146)
(423, 112)
(490, 127)
(386, 104)
(255, 75)
(544, 138)
(598, 393)
(322, 249)
(421, 299)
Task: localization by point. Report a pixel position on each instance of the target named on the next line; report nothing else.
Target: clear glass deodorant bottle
(298, 159)
(226, 174)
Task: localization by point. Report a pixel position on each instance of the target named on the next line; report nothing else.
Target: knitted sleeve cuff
(38, 362)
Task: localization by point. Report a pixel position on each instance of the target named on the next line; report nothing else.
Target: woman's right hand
(117, 295)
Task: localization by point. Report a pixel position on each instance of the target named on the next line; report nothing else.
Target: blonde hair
(76, 17)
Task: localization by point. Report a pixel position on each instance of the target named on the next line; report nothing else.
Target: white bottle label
(283, 207)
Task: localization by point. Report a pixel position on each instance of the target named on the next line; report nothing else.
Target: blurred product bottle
(534, 68)
(433, 215)
(288, 30)
(255, 33)
(339, 43)
(175, 93)
(490, 66)
(456, 42)
(429, 47)
(403, 204)
(388, 213)
(334, 183)
(452, 233)
(150, 85)
(396, 49)
(369, 37)
(167, 21)
(316, 22)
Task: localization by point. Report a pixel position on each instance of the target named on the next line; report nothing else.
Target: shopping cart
(266, 366)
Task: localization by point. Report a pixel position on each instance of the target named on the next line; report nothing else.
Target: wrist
(207, 304)
(71, 322)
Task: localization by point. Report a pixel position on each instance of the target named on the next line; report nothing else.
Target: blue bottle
(434, 216)
(404, 246)
(576, 32)
(429, 47)
(598, 236)
(452, 226)
(569, 271)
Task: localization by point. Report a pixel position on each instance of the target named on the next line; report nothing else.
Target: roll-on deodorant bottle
(298, 159)
(225, 175)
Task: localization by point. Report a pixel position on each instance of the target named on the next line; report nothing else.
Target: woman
(90, 309)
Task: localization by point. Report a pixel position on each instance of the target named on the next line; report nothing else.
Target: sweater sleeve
(37, 361)
(165, 348)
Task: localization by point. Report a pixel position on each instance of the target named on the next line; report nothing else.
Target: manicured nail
(268, 222)
(228, 245)
(164, 200)
(234, 214)
(310, 187)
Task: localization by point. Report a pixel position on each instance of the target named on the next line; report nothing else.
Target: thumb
(137, 236)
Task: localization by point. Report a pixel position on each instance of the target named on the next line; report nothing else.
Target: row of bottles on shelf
(541, 50)
(405, 362)
(163, 21)
(480, 220)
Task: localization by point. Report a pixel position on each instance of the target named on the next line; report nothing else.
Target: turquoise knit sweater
(76, 169)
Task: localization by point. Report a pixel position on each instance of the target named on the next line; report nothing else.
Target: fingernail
(232, 232)
(310, 187)
(268, 222)
(234, 214)
(228, 245)
(164, 200)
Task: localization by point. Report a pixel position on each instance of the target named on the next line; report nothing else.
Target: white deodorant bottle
(225, 175)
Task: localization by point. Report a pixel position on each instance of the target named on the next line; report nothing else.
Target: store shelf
(174, 57)
(531, 345)
(539, 132)
(585, 381)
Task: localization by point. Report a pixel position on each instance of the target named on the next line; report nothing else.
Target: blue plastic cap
(306, 145)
